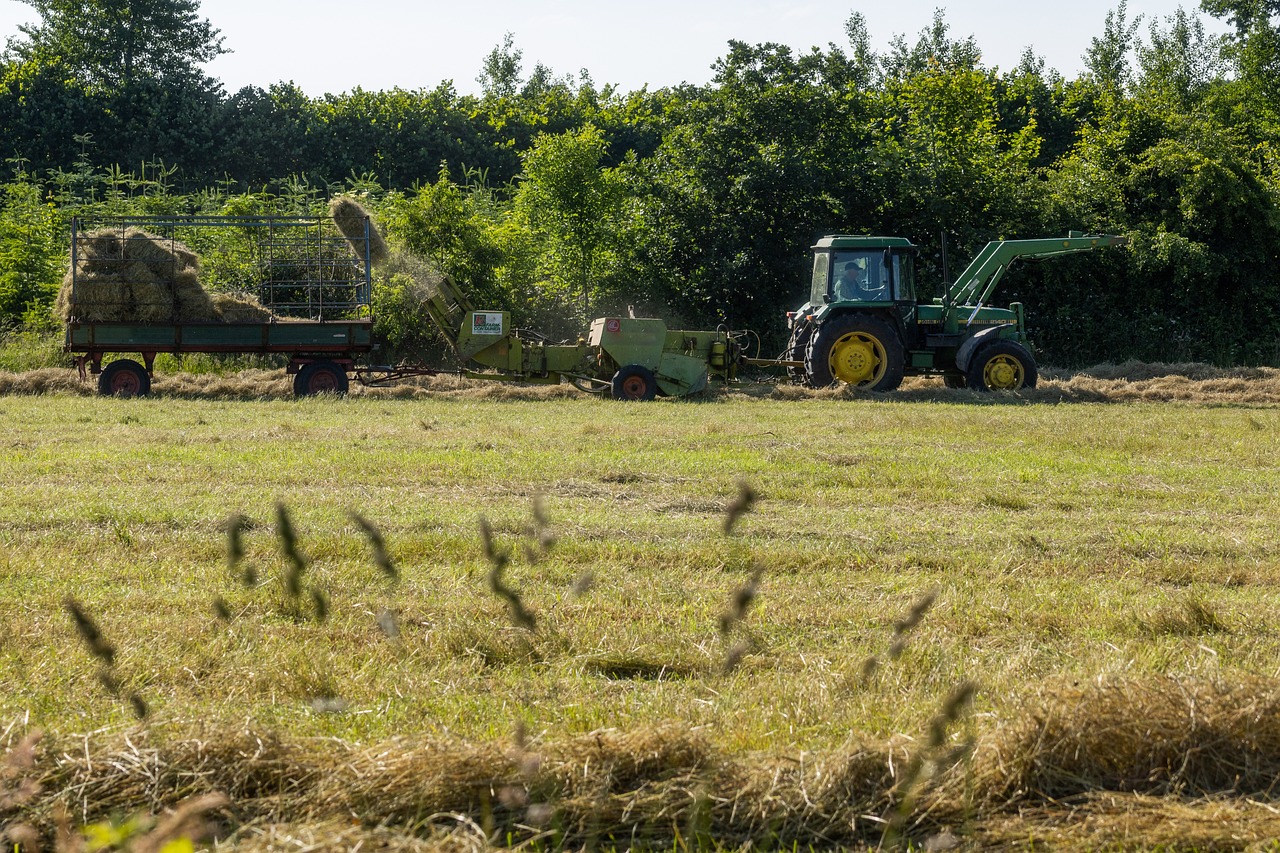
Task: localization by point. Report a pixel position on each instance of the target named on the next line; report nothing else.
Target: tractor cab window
(818, 292)
(861, 276)
(904, 274)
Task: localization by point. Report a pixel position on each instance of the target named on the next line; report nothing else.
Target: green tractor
(864, 326)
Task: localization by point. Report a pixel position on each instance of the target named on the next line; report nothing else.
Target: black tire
(855, 349)
(124, 378)
(797, 347)
(954, 380)
(1002, 366)
(634, 382)
(320, 377)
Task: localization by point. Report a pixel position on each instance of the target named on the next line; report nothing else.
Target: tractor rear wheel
(124, 378)
(1001, 366)
(634, 382)
(320, 377)
(855, 349)
(797, 346)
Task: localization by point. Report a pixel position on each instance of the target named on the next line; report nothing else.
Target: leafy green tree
(1180, 65)
(453, 227)
(108, 44)
(757, 164)
(31, 252)
(1107, 59)
(500, 74)
(573, 207)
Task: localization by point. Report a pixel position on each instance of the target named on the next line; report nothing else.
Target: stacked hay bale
(129, 275)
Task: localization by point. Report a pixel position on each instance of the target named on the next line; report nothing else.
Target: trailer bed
(348, 337)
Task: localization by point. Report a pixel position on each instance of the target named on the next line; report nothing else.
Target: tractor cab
(863, 270)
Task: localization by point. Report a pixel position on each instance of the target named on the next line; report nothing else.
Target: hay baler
(629, 358)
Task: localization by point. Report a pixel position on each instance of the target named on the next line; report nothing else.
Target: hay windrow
(1158, 737)
(1119, 752)
(1131, 382)
(350, 217)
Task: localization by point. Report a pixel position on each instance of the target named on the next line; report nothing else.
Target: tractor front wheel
(1001, 366)
(634, 382)
(320, 377)
(124, 378)
(855, 349)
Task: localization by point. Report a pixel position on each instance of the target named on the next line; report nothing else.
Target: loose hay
(350, 217)
(1157, 737)
(240, 308)
(1140, 760)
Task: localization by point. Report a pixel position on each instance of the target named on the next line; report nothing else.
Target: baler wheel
(124, 378)
(1002, 366)
(634, 382)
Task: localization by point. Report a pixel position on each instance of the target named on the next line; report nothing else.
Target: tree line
(559, 199)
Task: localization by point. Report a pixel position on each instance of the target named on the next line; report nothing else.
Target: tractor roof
(862, 241)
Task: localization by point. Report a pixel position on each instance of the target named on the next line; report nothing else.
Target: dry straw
(130, 275)
(352, 220)
(1067, 752)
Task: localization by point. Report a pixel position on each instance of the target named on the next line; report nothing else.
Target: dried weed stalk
(901, 634)
(289, 545)
(90, 633)
(499, 560)
(104, 651)
(937, 754)
(381, 558)
(739, 604)
(741, 506)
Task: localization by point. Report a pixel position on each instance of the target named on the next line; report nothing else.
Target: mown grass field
(1103, 575)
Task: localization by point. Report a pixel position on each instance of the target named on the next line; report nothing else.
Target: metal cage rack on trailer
(293, 286)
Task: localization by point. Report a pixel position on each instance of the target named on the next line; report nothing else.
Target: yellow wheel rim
(1004, 373)
(858, 358)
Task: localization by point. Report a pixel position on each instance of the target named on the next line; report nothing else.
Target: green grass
(1065, 543)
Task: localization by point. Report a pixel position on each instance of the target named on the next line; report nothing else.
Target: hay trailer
(292, 287)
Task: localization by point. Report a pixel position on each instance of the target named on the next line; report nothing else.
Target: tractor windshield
(860, 276)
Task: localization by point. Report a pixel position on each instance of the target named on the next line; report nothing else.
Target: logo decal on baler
(613, 325)
(486, 324)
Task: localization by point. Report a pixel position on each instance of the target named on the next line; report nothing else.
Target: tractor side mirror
(888, 258)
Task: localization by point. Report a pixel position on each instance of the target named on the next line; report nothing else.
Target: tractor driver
(855, 282)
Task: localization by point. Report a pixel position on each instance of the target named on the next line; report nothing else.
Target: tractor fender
(965, 354)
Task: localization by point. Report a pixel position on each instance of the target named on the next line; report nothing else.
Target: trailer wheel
(124, 378)
(856, 349)
(1001, 366)
(320, 377)
(797, 347)
(952, 380)
(634, 382)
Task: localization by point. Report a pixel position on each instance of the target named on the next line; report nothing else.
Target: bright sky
(336, 45)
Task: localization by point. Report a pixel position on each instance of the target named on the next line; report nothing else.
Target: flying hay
(350, 217)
